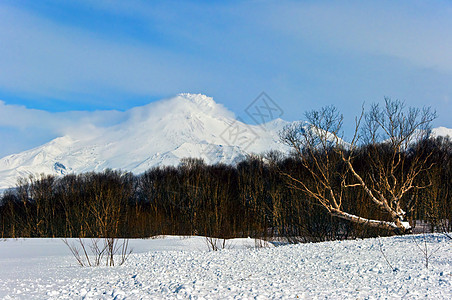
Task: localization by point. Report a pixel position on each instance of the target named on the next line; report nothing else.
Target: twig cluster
(96, 252)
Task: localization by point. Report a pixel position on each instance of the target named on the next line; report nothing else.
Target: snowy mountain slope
(442, 131)
(160, 133)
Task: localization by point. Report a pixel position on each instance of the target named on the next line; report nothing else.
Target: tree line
(255, 198)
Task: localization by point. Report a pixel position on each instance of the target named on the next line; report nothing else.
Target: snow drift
(182, 268)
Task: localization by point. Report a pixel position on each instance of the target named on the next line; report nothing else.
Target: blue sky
(61, 56)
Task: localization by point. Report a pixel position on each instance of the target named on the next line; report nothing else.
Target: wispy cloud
(22, 128)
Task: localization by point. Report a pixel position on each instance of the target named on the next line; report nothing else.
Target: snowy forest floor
(180, 267)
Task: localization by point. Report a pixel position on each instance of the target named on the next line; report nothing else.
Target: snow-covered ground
(177, 267)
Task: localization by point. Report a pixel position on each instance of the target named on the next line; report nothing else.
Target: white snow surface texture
(160, 133)
(182, 268)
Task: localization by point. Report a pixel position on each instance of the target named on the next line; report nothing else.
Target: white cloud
(22, 118)
(22, 128)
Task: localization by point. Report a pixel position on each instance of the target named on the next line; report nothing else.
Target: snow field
(162, 269)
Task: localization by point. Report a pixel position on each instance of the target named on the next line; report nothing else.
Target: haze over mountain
(160, 133)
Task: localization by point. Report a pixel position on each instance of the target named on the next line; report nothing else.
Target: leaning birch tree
(388, 135)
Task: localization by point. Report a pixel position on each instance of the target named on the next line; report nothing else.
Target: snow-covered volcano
(160, 133)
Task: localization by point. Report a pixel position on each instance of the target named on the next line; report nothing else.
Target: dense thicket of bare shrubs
(250, 199)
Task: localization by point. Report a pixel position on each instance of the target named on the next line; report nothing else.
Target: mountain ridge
(156, 134)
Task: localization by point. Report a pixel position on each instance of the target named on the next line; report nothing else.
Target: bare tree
(215, 244)
(388, 134)
(93, 252)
